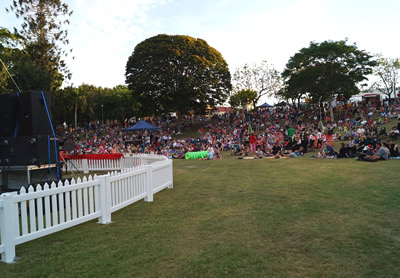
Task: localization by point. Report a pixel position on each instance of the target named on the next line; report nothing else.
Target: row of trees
(88, 103)
(175, 73)
(321, 72)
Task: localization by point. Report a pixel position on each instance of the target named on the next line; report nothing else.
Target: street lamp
(102, 115)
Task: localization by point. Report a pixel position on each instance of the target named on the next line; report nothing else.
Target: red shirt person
(252, 141)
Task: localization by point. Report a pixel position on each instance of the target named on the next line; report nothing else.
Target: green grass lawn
(294, 217)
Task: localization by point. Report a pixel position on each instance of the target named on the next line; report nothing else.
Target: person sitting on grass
(210, 153)
(245, 152)
(383, 131)
(298, 152)
(259, 153)
(394, 133)
(327, 151)
(181, 153)
(393, 150)
(366, 153)
(380, 154)
(217, 153)
(277, 150)
(236, 149)
(344, 152)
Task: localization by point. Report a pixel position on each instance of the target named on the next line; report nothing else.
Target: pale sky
(104, 33)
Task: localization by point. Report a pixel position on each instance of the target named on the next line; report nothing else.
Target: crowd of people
(276, 132)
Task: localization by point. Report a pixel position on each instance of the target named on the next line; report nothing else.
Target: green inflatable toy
(196, 155)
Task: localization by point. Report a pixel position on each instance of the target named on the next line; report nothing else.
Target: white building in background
(356, 98)
(373, 95)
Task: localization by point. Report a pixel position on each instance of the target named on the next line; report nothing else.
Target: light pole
(102, 117)
(319, 104)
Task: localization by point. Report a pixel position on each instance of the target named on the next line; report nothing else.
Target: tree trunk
(331, 110)
(76, 116)
(179, 120)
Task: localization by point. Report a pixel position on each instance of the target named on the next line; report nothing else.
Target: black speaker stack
(26, 139)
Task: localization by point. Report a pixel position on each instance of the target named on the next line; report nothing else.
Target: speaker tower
(33, 114)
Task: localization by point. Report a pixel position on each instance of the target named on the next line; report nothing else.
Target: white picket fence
(26, 216)
(128, 161)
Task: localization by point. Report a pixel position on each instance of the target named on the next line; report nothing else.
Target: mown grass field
(294, 217)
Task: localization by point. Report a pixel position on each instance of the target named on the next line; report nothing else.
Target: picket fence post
(149, 183)
(172, 174)
(105, 199)
(122, 163)
(9, 225)
(85, 166)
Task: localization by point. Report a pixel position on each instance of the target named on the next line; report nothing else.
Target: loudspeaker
(8, 114)
(33, 114)
(28, 150)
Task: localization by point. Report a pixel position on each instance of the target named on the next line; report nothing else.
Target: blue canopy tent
(281, 104)
(142, 125)
(264, 105)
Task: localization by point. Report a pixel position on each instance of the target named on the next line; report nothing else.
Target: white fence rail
(128, 161)
(51, 208)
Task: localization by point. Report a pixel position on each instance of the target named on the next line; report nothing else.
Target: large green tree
(243, 98)
(324, 71)
(169, 73)
(289, 95)
(43, 33)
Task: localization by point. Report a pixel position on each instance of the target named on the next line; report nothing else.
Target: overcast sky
(104, 33)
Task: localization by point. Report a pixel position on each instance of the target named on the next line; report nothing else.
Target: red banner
(94, 156)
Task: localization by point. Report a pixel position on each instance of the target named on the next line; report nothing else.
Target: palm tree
(78, 98)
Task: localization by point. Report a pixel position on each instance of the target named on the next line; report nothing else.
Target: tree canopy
(7, 49)
(262, 78)
(41, 64)
(326, 70)
(88, 103)
(173, 73)
(387, 71)
(243, 98)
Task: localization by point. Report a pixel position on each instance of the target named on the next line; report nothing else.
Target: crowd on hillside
(276, 132)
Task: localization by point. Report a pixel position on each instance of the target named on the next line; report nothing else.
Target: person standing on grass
(290, 132)
(304, 139)
(252, 142)
(319, 139)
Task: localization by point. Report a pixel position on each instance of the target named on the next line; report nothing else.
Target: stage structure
(28, 146)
